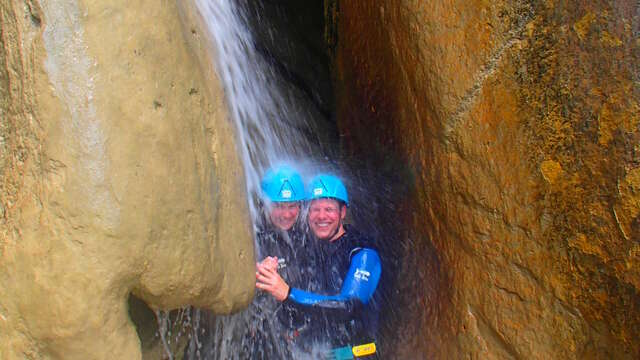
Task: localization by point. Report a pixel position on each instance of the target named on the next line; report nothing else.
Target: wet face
(325, 219)
(284, 214)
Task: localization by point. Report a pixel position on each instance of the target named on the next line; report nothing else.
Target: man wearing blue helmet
(283, 192)
(346, 271)
(280, 237)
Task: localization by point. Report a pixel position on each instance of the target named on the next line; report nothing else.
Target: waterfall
(272, 127)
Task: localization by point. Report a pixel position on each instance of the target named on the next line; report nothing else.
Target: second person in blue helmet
(279, 236)
(339, 295)
(283, 193)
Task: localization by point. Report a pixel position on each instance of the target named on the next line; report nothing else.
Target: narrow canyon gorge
(499, 142)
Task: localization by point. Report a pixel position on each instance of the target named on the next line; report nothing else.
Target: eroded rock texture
(516, 125)
(118, 175)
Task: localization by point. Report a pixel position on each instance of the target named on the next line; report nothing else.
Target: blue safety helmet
(327, 186)
(283, 183)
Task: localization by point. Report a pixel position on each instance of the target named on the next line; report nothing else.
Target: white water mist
(269, 124)
(270, 129)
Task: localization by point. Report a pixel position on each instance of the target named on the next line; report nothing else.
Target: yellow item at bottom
(364, 349)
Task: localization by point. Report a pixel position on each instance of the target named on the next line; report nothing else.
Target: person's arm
(358, 286)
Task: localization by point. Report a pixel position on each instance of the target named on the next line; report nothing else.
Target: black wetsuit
(276, 323)
(342, 323)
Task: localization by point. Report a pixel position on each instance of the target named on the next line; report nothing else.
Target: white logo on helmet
(286, 194)
(317, 191)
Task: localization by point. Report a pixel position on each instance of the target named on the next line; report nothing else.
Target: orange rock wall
(516, 127)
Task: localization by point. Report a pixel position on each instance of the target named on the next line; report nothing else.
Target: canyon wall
(118, 175)
(511, 130)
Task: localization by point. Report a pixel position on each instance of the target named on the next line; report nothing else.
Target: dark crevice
(290, 37)
(295, 80)
(144, 320)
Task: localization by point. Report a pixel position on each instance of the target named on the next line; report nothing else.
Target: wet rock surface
(118, 174)
(515, 126)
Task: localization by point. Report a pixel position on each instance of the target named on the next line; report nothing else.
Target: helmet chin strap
(330, 238)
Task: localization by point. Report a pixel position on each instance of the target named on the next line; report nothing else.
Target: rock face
(516, 127)
(118, 174)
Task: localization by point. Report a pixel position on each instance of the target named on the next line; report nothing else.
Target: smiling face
(284, 214)
(325, 219)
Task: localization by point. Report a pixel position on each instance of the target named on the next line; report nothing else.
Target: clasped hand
(268, 279)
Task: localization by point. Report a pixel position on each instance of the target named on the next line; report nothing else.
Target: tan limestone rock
(118, 174)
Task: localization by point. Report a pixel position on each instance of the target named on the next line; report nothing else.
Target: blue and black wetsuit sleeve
(358, 286)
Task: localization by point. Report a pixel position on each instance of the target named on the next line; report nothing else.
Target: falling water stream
(270, 123)
(275, 123)
(272, 126)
